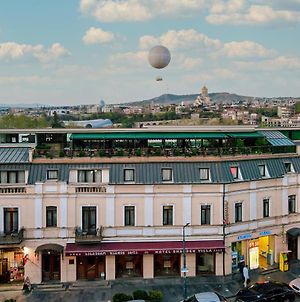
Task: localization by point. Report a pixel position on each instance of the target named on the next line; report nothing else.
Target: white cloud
(282, 63)
(232, 6)
(97, 36)
(138, 10)
(23, 79)
(255, 15)
(191, 63)
(14, 51)
(182, 39)
(245, 49)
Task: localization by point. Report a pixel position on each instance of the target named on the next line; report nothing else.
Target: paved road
(172, 288)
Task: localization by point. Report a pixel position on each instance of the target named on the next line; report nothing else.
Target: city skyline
(77, 52)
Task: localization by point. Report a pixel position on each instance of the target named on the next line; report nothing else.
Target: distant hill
(166, 99)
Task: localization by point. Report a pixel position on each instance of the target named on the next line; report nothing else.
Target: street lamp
(184, 269)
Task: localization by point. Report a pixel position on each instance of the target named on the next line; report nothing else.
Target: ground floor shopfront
(11, 264)
(144, 259)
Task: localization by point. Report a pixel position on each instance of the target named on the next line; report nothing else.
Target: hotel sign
(143, 252)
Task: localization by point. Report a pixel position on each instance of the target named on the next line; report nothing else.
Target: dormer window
(167, 174)
(234, 172)
(204, 174)
(288, 167)
(262, 170)
(52, 174)
(128, 175)
(11, 177)
(90, 176)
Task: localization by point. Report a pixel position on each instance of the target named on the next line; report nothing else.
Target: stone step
(79, 285)
(50, 287)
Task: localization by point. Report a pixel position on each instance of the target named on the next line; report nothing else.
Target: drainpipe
(224, 225)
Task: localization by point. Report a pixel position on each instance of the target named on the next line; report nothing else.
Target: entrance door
(90, 267)
(293, 247)
(50, 267)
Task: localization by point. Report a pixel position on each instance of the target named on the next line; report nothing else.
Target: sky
(65, 52)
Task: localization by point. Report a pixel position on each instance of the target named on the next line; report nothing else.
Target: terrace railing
(12, 237)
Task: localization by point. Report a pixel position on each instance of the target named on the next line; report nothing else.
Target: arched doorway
(292, 238)
(51, 261)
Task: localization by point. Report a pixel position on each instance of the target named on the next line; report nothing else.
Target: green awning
(149, 135)
(245, 135)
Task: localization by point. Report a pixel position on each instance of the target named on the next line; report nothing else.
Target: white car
(205, 297)
(295, 285)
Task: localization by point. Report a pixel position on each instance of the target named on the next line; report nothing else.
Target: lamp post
(184, 269)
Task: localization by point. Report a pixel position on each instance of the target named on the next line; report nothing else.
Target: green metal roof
(245, 135)
(277, 138)
(149, 135)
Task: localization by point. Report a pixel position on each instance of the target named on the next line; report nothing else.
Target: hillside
(166, 99)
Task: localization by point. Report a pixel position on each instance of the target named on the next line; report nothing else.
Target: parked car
(266, 291)
(295, 285)
(206, 297)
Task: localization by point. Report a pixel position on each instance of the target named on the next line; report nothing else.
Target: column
(148, 266)
(110, 267)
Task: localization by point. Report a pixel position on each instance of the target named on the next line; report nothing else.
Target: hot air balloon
(159, 56)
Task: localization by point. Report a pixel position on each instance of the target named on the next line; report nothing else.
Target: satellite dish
(159, 57)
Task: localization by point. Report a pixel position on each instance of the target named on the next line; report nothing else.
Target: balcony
(89, 236)
(12, 238)
(12, 190)
(85, 189)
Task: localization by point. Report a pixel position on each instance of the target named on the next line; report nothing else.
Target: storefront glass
(167, 265)
(11, 266)
(90, 267)
(205, 263)
(129, 266)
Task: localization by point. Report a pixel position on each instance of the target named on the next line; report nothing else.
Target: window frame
(266, 207)
(290, 167)
(205, 214)
(52, 171)
(87, 225)
(127, 170)
(292, 203)
(238, 211)
(168, 215)
(129, 212)
(235, 175)
(207, 174)
(52, 210)
(6, 175)
(170, 171)
(11, 214)
(86, 179)
(264, 170)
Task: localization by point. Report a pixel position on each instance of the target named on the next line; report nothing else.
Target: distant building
(203, 99)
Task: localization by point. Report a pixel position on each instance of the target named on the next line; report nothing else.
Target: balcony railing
(92, 235)
(101, 189)
(12, 190)
(12, 238)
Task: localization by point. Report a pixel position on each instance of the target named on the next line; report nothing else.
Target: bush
(156, 296)
(121, 297)
(140, 295)
(10, 300)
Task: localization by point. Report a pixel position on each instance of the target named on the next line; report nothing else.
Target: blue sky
(63, 52)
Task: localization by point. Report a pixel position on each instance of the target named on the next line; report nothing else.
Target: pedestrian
(246, 275)
(27, 285)
(241, 266)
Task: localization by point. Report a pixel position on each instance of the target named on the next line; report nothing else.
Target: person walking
(246, 275)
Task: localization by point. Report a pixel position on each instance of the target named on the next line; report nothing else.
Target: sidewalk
(172, 287)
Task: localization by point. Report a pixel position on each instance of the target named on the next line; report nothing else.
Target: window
(52, 174)
(205, 214)
(166, 174)
(89, 220)
(235, 172)
(167, 215)
(129, 175)
(288, 167)
(129, 215)
(262, 170)
(292, 203)
(12, 177)
(204, 174)
(90, 176)
(11, 223)
(51, 216)
(266, 207)
(238, 212)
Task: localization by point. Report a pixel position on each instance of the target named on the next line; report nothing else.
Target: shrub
(10, 300)
(140, 295)
(156, 296)
(121, 297)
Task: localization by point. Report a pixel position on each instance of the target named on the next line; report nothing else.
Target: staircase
(84, 284)
(50, 287)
